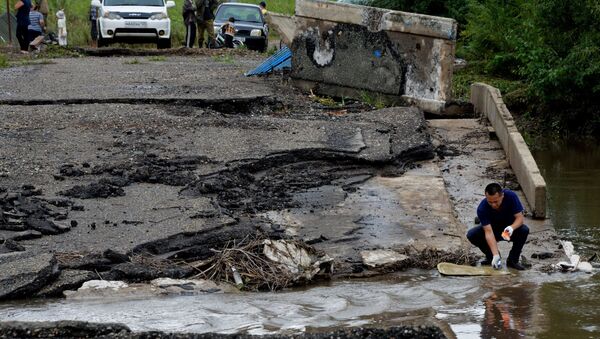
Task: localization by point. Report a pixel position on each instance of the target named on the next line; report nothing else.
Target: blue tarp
(278, 61)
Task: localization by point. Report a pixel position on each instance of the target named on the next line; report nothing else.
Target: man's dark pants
(22, 36)
(476, 236)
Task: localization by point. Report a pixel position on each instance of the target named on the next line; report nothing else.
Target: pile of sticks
(428, 258)
(256, 271)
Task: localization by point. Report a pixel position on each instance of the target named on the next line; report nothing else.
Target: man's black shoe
(515, 265)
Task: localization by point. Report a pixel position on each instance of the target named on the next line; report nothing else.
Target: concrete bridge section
(350, 50)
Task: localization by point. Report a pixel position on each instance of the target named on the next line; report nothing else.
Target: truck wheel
(163, 43)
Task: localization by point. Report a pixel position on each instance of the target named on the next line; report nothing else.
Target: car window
(134, 3)
(239, 13)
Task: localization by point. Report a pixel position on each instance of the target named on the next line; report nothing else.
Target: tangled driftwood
(255, 269)
(428, 258)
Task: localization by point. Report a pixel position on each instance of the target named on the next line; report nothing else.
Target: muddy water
(413, 296)
(572, 173)
(397, 299)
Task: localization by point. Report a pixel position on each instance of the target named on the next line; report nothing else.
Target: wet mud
(78, 329)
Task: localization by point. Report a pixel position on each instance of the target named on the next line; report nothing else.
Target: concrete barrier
(340, 49)
(488, 100)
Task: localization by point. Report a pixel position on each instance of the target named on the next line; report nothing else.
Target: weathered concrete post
(347, 50)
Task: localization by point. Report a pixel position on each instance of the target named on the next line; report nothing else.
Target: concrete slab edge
(377, 19)
(487, 100)
(285, 25)
(426, 105)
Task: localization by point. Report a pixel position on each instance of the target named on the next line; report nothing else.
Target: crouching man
(501, 217)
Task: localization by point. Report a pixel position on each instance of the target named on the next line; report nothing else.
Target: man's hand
(508, 231)
(497, 262)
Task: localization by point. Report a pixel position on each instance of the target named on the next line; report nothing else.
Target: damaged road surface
(148, 179)
(120, 182)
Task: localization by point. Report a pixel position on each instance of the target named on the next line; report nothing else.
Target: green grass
(134, 61)
(157, 58)
(277, 6)
(3, 61)
(473, 72)
(225, 58)
(373, 99)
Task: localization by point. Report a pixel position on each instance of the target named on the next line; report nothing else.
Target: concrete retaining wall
(406, 55)
(488, 100)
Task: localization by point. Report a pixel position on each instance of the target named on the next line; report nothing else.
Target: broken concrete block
(342, 49)
(67, 280)
(382, 258)
(25, 235)
(194, 286)
(21, 275)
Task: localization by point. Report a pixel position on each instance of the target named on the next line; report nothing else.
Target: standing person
(43, 8)
(205, 18)
(61, 24)
(501, 217)
(23, 7)
(36, 24)
(189, 19)
(94, 24)
(263, 7)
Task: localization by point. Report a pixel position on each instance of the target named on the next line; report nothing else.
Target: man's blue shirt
(503, 217)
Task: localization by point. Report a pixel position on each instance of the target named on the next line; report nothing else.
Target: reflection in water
(508, 312)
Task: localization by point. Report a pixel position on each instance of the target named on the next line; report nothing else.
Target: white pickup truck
(134, 21)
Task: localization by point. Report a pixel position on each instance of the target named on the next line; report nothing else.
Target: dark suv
(250, 24)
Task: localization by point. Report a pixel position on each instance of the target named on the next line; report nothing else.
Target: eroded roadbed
(133, 167)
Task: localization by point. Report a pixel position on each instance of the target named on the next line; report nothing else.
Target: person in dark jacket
(501, 218)
(189, 20)
(23, 7)
(205, 17)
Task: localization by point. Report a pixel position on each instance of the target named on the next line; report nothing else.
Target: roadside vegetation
(3, 61)
(544, 55)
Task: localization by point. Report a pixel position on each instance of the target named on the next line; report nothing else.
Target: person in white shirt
(61, 22)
